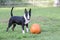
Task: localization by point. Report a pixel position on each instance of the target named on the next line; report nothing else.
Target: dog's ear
(30, 11)
(25, 10)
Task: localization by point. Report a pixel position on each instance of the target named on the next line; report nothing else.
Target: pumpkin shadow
(45, 31)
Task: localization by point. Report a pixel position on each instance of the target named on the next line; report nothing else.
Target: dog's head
(28, 14)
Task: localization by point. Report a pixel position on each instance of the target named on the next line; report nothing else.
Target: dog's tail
(11, 11)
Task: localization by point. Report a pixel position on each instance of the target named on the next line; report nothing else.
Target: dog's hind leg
(14, 25)
(27, 27)
(9, 25)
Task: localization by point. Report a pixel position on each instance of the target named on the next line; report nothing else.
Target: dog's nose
(28, 19)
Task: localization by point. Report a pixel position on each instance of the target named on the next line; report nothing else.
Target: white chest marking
(26, 20)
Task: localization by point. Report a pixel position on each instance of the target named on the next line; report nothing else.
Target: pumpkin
(35, 29)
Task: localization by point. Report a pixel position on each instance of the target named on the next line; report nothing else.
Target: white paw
(27, 30)
(23, 31)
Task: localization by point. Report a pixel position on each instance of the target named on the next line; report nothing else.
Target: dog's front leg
(23, 29)
(27, 27)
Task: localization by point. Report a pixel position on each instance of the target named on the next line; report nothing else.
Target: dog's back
(17, 19)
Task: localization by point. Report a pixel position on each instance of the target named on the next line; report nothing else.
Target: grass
(48, 18)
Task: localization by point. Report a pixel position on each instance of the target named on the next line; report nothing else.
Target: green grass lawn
(48, 18)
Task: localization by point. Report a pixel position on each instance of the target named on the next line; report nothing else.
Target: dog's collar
(26, 20)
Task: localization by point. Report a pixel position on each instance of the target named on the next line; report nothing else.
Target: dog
(20, 20)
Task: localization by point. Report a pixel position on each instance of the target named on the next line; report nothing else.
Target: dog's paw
(27, 30)
(23, 31)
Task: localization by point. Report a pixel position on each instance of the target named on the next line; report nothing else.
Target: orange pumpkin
(35, 29)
